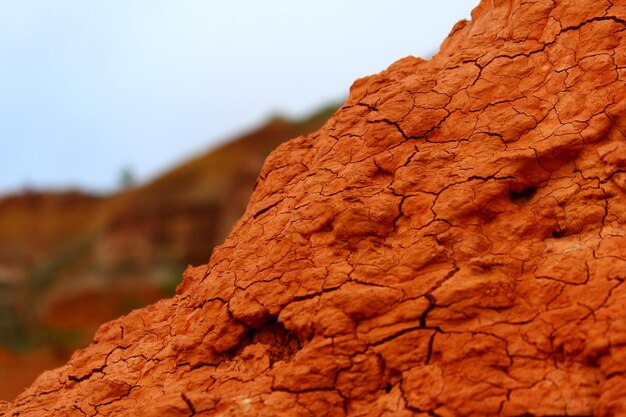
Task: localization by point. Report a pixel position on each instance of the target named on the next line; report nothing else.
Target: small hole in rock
(388, 388)
(557, 234)
(522, 197)
(250, 335)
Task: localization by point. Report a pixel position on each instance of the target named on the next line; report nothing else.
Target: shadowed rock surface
(450, 243)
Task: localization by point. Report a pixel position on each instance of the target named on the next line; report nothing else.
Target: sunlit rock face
(451, 243)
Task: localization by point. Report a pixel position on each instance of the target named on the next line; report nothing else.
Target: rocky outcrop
(450, 243)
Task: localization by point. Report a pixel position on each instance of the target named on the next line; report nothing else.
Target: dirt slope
(451, 243)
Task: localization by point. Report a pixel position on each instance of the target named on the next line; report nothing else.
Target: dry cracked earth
(451, 243)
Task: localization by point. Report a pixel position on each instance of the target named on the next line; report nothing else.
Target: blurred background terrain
(122, 159)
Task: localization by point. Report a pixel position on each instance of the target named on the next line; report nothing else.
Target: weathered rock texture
(451, 243)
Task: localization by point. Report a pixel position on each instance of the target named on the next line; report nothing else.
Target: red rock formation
(451, 243)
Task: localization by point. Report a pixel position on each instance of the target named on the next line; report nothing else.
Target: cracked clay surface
(451, 243)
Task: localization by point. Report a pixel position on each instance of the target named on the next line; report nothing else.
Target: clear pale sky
(90, 87)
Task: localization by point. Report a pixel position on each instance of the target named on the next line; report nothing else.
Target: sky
(91, 88)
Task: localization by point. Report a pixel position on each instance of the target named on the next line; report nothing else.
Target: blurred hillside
(70, 261)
